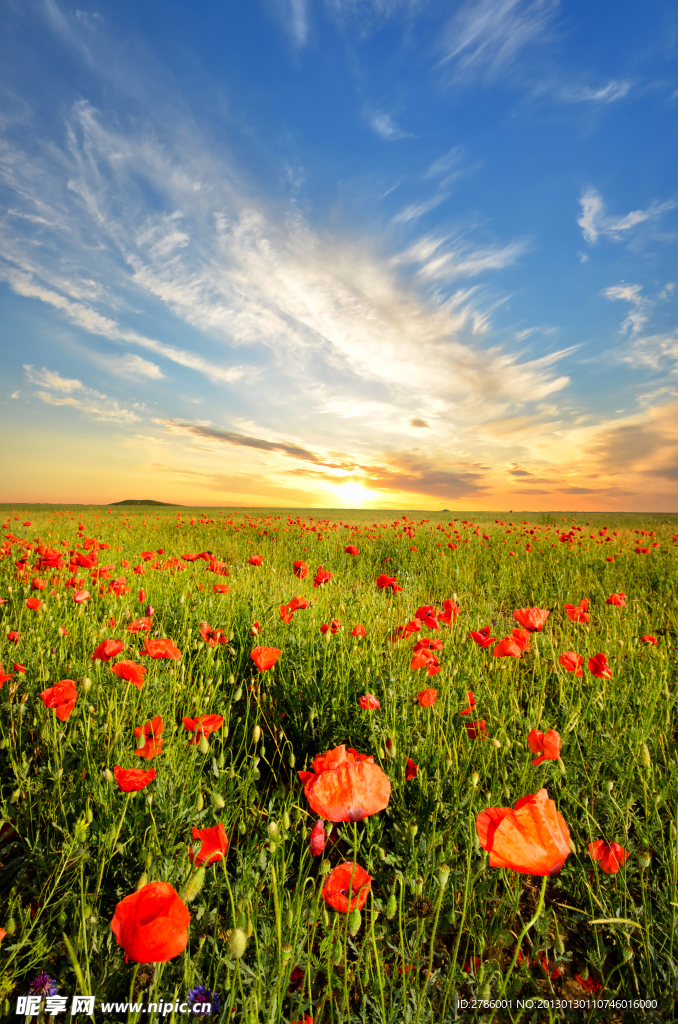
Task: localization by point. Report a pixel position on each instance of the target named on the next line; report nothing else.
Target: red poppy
(212, 637)
(427, 697)
(300, 570)
(618, 600)
(425, 658)
(411, 769)
(475, 730)
(80, 596)
(642, 551)
(61, 697)
(610, 855)
(599, 667)
(317, 840)
(532, 838)
(141, 625)
(572, 662)
(298, 604)
(255, 629)
(590, 984)
(471, 704)
(4, 677)
(151, 748)
(203, 725)
(154, 727)
(358, 630)
(385, 582)
(220, 588)
(347, 880)
(547, 745)
(483, 637)
(322, 576)
(13, 636)
(214, 845)
(130, 671)
(345, 785)
(532, 619)
(507, 648)
(151, 925)
(38, 584)
(18, 667)
(108, 649)
(428, 616)
(132, 779)
(351, 549)
(449, 613)
(286, 613)
(368, 702)
(650, 640)
(33, 603)
(428, 643)
(255, 559)
(577, 612)
(403, 632)
(522, 638)
(265, 657)
(164, 648)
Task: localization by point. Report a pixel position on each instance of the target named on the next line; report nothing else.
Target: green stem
(533, 921)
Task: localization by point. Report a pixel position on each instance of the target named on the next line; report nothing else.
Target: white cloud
(416, 210)
(136, 368)
(638, 314)
(486, 36)
(62, 391)
(385, 127)
(610, 93)
(444, 259)
(595, 222)
(299, 21)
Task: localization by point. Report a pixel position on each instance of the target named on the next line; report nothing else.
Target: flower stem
(535, 918)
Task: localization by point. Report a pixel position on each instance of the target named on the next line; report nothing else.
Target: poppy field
(310, 767)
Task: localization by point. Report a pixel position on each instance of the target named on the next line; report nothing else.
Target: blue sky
(389, 253)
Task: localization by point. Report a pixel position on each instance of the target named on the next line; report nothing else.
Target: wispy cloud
(614, 90)
(486, 36)
(299, 21)
(62, 391)
(638, 314)
(447, 258)
(416, 210)
(594, 221)
(385, 127)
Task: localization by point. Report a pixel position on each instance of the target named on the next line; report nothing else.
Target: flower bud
(286, 820)
(256, 734)
(89, 815)
(237, 941)
(325, 867)
(645, 756)
(291, 759)
(354, 922)
(238, 693)
(609, 785)
(200, 802)
(218, 801)
(475, 779)
(143, 880)
(10, 927)
(204, 745)
(643, 858)
(413, 830)
(221, 760)
(628, 954)
(584, 975)
(496, 743)
(193, 885)
(108, 775)
(391, 907)
(87, 684)
(573, 848)
(443, 875)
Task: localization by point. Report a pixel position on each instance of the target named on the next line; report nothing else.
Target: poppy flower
(4, 676)
(255, 629)
(368, 702)
(411, 769)
(618, 600)
(572, 662)
(220, 588)
(650, 640)
(38, 584)
(132, 779)
(428, 643)
(13, 636)
(345, 785)
(358, 630)
(427, 697)
(33, 603)
(609, 855)
(532, 619)
(471, 703)
(482, 637)
(61, 697)
(532, 839)
(449, 613)
(427, 615)
(151, 925)
(351, 549)
(107, 649)
(522, 638)
(19, 668)
(475, 730)
(212, 637)
(507, 648)
(547, 745)
(300, 570)
(141, 625)
(599, 667)
(214, 845)
(203, 725)
(385, 582)
(298, 604)
(578, 612)
(286, 613)
(255, 559)
(131, 671)
(154, 727)
(642, 551)
(403, 632)
(265, 657)
(80, 596)
(151, 748)
(321, 576)
(424, 658)
(347, 887)
(161, 648)
(590, 984)
(317, 840)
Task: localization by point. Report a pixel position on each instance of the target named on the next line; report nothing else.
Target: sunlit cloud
(594, 222)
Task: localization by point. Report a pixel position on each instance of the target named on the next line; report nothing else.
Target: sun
(353, 494)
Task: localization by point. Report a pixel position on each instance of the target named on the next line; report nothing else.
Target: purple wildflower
(203, 995)
(43, 985)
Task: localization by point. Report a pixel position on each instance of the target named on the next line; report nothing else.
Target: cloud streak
(594, 222)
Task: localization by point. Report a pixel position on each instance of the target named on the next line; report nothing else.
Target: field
(437, 932)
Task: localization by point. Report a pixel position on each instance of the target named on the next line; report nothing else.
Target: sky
(340, 253)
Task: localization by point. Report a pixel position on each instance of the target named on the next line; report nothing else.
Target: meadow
(471, 632)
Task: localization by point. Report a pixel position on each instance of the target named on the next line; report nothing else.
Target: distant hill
(145, 501)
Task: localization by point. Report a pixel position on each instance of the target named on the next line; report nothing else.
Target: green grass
(62, 874)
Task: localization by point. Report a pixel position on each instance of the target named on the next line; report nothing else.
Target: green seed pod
(193, 885)
(218, 801)
(237, 941)
(272, 847)
(338, 951)
(290, 918)
(238, 693)
(325, 867)
(10, 927)
(89, 816)
(609, 785)
(231, 680)
(559, 945)
(573, 848)
(475, 779)
(326, 918)
(354, 922)
(391, 907)
(413, 830)
(108, 775)
(628, 954)
(273, 830)
(204, 745)
(645, 756)
(286, 820)
(200, 802)
(256, 734)
(286, 952)
(443, 875)
(86, 684)
(143, 880)
(242, 921)
(291, 759)
(221, 760)
(584, 975)
(643, 859)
